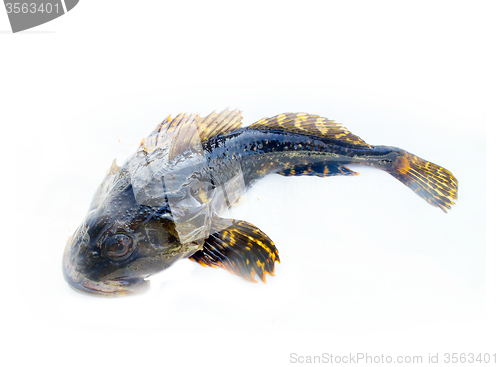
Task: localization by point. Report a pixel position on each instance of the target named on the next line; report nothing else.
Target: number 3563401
(25, 8)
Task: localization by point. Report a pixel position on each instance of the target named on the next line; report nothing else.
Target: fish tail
(433, 183)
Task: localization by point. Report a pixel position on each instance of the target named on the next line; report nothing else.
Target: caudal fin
(431, 182)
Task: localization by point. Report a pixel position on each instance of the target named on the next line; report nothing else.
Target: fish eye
(118, 247)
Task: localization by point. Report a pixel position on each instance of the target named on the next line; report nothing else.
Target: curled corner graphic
(32, 13)
(70, 4)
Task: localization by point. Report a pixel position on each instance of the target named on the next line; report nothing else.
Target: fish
(167, 201)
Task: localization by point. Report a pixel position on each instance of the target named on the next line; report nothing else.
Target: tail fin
(431, 182)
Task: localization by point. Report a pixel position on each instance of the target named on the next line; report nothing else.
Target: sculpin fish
(167, 200)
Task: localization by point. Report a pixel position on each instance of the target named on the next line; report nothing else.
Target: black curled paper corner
(31, 13)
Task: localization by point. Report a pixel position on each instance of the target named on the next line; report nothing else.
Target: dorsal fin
(189, 130)
(113, 169)
(219, 123)
(305, 124)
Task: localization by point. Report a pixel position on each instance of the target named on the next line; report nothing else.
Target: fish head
(120, 243)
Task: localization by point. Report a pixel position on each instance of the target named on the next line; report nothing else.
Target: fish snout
(79, 281)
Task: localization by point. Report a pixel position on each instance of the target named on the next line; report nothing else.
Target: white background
(367, 266)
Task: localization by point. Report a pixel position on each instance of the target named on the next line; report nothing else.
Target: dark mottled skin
(88, 266)
(263, 152)
(156, 245)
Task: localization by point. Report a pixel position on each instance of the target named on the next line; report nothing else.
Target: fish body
(167, 201)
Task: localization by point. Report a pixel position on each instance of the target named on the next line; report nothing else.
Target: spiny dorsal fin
(219, 123)
(113, 169)
(305, 124)
(188, 130)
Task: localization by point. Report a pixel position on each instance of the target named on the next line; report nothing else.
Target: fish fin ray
(433, 183)
(113, 169)
(312, 125)
(188, 130)
(220, 123)
(319, 170)
(241, 248)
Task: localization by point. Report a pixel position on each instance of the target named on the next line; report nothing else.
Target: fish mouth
(116, 287)
(112, 287)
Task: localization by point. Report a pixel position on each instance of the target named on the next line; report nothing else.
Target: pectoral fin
(241, 248)
(318, 169)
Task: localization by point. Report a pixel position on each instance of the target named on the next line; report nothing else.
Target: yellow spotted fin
(311, 125)
(185, 131)
(323, 169)
(241, 248)
(433, 183)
